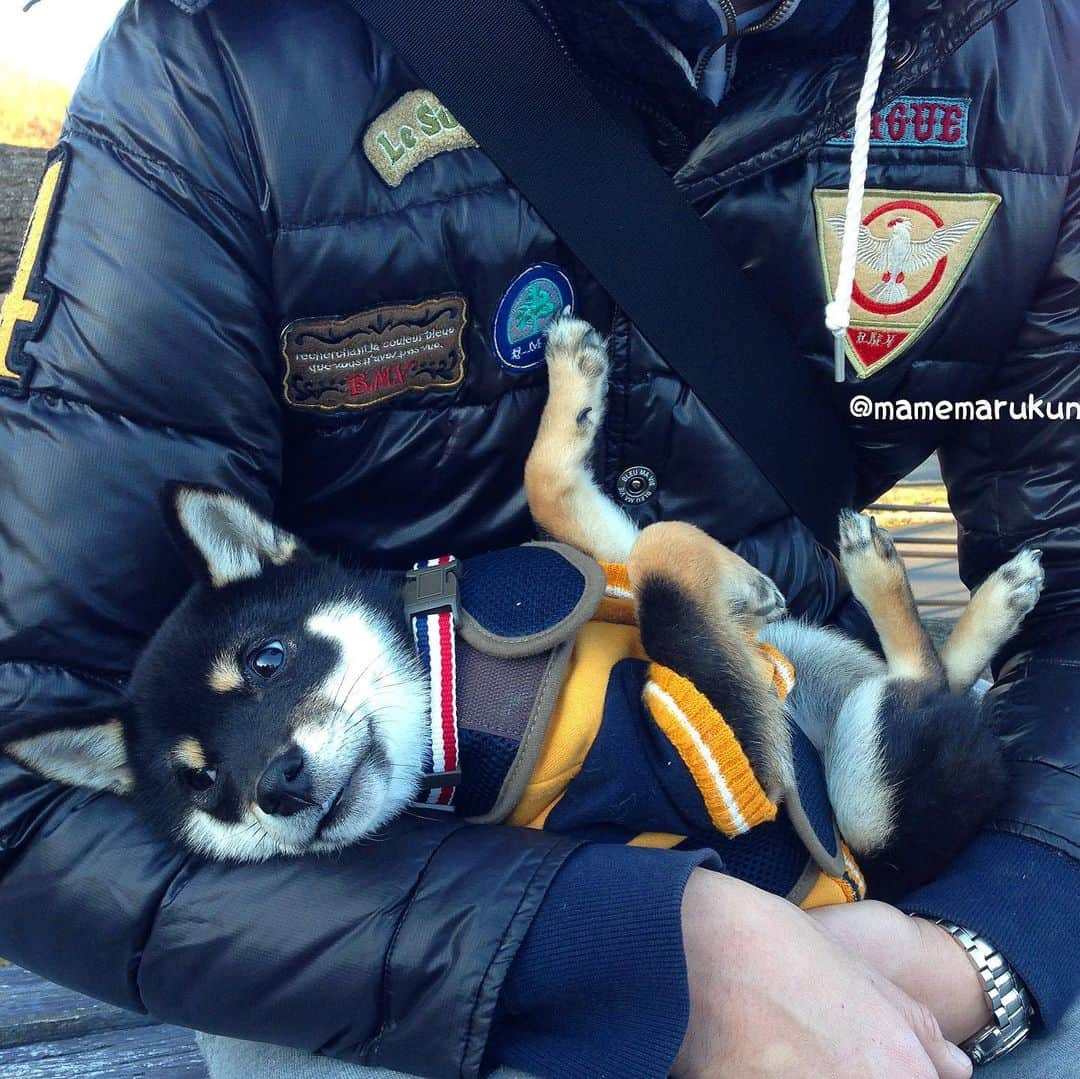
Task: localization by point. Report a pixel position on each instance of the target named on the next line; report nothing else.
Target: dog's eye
(267, 659)
(199, 779)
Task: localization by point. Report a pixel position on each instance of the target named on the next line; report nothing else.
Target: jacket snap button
(900, 52)
(636, 485)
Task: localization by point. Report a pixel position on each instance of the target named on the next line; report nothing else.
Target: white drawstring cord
(838, 313)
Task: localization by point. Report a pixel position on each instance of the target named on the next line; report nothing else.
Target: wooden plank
(156, 1052)
(34, 1010)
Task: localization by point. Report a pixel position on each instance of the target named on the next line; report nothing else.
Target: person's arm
(1016, 484)
(152, 357)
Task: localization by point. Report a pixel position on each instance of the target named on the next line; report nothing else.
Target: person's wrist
(916, 955)
(958, 983)
(599, 982)
(770, 987)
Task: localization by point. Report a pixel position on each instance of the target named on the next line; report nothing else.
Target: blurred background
(43, 51)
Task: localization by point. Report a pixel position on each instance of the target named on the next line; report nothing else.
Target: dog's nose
(285, 787)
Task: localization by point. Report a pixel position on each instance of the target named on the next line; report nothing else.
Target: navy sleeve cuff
(598, 987)
(1023, 897)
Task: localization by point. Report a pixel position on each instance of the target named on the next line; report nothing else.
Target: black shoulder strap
(510, 81)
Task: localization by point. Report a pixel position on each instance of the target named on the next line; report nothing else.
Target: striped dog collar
(431, 603)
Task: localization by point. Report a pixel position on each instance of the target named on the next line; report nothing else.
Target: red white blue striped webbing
(435, 645)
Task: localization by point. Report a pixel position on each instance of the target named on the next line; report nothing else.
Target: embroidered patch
(941, 122)
(24, 308)
(533, 299)
(415, 128)
(358, 361)
(913, 248)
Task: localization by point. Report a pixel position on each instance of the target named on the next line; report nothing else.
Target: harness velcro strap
(431, 603)
(524, 601)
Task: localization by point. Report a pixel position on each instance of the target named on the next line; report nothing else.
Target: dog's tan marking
(736, 600)
(189, 753)
(563, 496)
(225, 674)
(879, 582)
(992, 616)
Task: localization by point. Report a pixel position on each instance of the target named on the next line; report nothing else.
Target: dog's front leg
(563, 496)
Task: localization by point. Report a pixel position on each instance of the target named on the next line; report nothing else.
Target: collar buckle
(432, 589)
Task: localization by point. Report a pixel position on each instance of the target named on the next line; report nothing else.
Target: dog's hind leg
(879, 582)
(563, 496)
(992, 616)
(699, 608)
(912, 768)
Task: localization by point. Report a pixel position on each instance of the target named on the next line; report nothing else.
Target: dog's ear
(92, 755)
(224, 538)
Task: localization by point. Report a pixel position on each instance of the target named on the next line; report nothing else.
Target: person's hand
(772, 995)
(920, 957)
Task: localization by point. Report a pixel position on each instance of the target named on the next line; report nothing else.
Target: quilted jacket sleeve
(1015, 483)
(155, 360)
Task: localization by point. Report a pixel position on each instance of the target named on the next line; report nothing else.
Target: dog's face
(280, 708)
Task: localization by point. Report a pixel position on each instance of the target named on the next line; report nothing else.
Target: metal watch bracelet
(1009, 999)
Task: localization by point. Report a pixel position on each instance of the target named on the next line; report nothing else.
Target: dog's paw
(575, 348)
(755, 597)
(1019, 583)
(860, 538)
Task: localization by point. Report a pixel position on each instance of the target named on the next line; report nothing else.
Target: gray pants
(1053, 1057)
(1056, 1056)
(228, 1058)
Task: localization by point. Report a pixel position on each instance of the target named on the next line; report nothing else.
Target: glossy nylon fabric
(216, 190)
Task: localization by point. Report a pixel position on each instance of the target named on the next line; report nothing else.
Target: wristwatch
(1009, 1000)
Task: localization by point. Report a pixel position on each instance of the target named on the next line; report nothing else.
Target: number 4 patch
(25, 307)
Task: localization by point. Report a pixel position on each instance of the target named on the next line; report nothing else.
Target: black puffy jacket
(218, 184)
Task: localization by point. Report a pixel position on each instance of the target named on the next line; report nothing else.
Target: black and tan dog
(281, 708)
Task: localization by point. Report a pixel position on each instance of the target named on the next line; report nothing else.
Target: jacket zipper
(774, 18)
(636, 102)
(703, 62)
(705, 58)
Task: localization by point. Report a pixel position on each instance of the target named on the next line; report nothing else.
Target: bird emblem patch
(913, 247)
